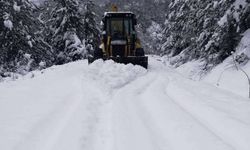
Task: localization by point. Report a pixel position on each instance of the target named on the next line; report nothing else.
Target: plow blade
(135, 60)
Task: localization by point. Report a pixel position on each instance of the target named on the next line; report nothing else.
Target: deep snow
(226, 75)
(113, 106)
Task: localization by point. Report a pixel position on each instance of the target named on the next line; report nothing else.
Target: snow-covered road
(109, 106)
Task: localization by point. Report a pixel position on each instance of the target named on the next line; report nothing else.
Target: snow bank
(227, 76)
(244, 45)
(114, 75)
(191, 70)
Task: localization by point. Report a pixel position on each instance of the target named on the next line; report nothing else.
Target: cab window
(119, 26)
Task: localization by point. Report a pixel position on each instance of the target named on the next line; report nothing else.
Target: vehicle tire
(139, 52)
(98, 53)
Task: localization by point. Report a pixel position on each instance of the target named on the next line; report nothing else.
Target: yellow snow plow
(119, 40)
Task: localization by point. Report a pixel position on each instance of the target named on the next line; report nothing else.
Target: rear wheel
(139, 52)
(98, 53)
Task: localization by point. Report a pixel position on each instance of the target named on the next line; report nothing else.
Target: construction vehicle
(119, 40)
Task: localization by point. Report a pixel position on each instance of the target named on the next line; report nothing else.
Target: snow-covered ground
(226, 75)
(232, 78)
(109, 106)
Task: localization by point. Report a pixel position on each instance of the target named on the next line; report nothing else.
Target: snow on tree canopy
(16, 8)
(8, 24)
(207, 30)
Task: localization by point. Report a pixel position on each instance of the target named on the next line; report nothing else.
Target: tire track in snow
(46, 133)
(164, 123)
(220, 122)
(104, 78)
(131, 130)
(202, 123)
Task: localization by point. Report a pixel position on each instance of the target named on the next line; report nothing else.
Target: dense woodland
(36, 36)
(208, 30)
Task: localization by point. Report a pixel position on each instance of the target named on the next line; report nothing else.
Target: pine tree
(177, 26)
(225, 37)
(244, 22)
(206, 30)
(18, 37)
(91, 29)
(66, 31)
(230, 38)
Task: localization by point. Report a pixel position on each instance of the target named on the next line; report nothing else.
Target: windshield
(119, 26)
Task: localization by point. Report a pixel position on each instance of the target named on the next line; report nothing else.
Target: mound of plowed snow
(113, 75)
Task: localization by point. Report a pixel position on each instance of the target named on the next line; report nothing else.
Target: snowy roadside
(224, 76)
